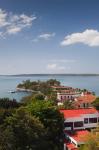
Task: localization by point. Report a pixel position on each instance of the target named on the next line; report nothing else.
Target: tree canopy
(96, 103)
(23, 131)
(51, 118)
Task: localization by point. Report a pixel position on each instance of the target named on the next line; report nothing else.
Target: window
(85, 120)
(68, 124)
(84, 105)
(78, 124)
(87, 105)
(92, 120)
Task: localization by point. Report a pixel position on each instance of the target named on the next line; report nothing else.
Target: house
(66, 93)
(74, 140)
(76, 125)
(59, 88)
(84, 101)
(80, 119)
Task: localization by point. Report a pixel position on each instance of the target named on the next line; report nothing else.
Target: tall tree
(52, 120)
(23, 132)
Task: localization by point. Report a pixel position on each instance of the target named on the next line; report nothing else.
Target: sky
(49, 36)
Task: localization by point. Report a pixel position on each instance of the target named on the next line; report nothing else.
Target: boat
(12, 91)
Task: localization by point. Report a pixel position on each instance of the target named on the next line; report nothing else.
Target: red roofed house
(75, 124)
(85, 100)
(79, 119)
(75, 139)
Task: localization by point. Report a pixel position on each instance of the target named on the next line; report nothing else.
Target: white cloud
(13, 23)
(3, 20)
(13, 30)
(89, 37)
(45, 36)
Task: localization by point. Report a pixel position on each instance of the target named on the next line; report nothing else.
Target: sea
(9, 83)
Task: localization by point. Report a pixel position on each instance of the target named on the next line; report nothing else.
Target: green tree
(67, 105)
(52, 120)
(6, 103)
(39, 96)
(53, 82)
(23, 132)
(33, 97)
(96, 103)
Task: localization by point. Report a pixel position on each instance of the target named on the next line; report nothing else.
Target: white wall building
(80, 119)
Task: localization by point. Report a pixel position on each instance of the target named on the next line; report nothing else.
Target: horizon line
(27, 74)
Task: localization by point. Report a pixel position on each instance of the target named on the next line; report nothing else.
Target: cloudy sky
(49, 36)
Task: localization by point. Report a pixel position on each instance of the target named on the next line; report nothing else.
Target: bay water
(9, 83)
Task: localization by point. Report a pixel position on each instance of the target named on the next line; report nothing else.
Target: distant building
(59, 88)
(66, 93)
(80, 99)
(84, 101)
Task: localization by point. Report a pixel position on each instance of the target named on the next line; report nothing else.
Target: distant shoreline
(74, 74)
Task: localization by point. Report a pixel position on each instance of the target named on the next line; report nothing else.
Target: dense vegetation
(6, 103)
(34, 125)
(92, 140)
(96, 103)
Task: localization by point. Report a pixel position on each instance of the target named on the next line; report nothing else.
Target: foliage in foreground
(96, 103)
(92, 141)
(6, 103)
(35, 126)
(23, 132)
(52, 120)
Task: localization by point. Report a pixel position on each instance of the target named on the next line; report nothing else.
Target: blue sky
(49, 36)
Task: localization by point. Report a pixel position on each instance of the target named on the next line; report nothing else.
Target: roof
(88, 98)
(78, 112)
(71, 146)
(80, 135)
(61, 87)
(74, 91)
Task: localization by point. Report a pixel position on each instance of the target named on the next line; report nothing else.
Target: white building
(67, 95)
(80, 119)
(76, 123)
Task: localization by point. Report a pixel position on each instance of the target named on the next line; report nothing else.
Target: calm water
(8, 83)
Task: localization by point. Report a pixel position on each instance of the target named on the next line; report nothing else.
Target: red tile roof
(88, 98)
(77, 112)
(80, 136)
(71, 146)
